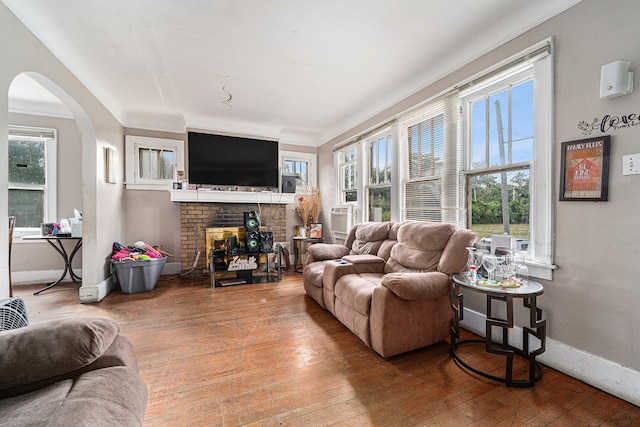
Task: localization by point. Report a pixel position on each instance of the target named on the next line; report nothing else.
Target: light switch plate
(631, 164)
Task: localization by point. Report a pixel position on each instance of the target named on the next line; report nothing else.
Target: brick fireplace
(196, 217)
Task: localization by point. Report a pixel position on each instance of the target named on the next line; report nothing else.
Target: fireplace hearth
(196, 217)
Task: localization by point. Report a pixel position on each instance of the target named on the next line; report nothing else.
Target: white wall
(29, 256)
(102, 202)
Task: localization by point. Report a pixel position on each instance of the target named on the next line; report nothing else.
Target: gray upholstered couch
(72, 372)
(390, 282)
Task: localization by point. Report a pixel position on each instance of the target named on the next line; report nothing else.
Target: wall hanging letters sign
(585, 169)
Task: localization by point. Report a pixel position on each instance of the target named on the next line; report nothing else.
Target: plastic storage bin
(138, 276)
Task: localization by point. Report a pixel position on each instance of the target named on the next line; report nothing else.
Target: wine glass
(489, 262)
(518, 260)
(503, 269)
(522, 273)
(471, 258)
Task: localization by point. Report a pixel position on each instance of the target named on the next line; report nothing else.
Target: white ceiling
(300, 70)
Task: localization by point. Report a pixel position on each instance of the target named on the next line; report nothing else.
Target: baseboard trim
(599, 372)
(88, 294)
(40, 276)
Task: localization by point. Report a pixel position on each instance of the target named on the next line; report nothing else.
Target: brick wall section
(195, 218)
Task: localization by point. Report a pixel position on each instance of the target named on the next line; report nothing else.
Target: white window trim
(51, 187)
(132, 176)
(541, 171)
(310, 158)
(366, 163)
(359, 180)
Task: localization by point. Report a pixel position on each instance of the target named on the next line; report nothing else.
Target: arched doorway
(35, 102)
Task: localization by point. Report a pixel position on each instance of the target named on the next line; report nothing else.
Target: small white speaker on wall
(615, 80)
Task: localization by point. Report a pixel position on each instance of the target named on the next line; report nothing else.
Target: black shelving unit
(267, 268)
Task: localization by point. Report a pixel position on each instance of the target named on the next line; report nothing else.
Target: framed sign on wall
(584, 173)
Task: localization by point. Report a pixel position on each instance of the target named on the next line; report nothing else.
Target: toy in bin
(137, 268)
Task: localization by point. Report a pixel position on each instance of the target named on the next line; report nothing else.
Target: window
(430, 164)
(298, 169)
(379, 186)
(152, 163)
(156, 163)
(347, 164)
(508, 153)
(300, 165)
(32, 177)
(479, 154)
(500, 140)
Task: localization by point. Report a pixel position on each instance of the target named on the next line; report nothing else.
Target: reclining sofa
(390, 282)
(70, 372)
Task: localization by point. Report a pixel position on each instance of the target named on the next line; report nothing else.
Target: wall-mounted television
(232, 161)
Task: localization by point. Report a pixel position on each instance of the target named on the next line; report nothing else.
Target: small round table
(528, 292)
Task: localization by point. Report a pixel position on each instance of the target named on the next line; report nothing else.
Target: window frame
(386, 134)
(540, 263)
(51, 176)
(341, 164)
(310, 159)
(133, 144)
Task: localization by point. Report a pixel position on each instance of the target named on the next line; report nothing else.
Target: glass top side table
(536, 328)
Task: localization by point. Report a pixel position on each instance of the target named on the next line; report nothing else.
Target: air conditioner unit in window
(341, 222)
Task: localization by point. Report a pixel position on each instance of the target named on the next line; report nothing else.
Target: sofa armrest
(335, 269)
(44, 353)
(364, 259)
(417, 286)
(325, 251)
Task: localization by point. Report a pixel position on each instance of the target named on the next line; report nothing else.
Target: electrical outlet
(631, 164)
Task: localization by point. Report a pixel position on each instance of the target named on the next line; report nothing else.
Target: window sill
(541, 271)
(159, 187)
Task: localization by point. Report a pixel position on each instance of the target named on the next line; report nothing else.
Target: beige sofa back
(428, 246)
(372, 238)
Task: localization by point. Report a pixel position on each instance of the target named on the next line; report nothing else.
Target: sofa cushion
(313, 273)
(326, 251)
(420, 246)
(35, 408)
(417, 286)
(105, 397)
(369, 237)
(386, 246)
(454, 258)
(43, 352)
(353, 294)
(355, 290)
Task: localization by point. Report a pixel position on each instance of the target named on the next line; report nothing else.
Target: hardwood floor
(267, 355)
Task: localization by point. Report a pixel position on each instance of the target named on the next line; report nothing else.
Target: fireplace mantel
(214, 196)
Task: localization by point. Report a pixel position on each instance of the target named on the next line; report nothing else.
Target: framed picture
(111, 165)
(315, 231)
(584, 173)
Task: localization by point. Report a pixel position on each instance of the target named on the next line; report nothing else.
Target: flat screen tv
(232, 161)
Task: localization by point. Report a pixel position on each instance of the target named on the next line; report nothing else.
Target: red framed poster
(585, 169)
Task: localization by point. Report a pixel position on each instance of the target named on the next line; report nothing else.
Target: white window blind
(430, 162)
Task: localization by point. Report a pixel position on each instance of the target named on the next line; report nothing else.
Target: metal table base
(536, 328)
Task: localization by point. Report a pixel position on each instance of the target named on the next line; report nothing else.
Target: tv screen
(232, 161)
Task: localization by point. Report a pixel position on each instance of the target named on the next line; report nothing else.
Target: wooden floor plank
(267, 355)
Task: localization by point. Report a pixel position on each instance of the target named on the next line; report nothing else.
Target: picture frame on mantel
(584, 170)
